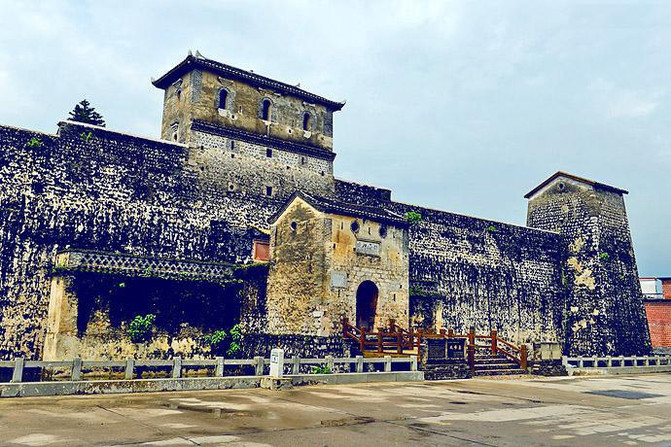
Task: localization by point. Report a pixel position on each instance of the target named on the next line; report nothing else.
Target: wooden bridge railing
(398, 339)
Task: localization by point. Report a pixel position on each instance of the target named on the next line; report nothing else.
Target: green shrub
(604, 256)
(321, 370)
(216, 338)
(413, 217)
(222, 342)
(140, 328)
(234, 348)
(492, 229)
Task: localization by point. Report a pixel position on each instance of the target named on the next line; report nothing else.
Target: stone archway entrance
(366, 305)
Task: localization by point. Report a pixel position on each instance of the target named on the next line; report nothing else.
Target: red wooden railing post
(362, 340)
(523, 356)
(494, 344)
(399, 340)
(345, 321)
(471, 349)
(379, 341)
(443, 332)
(450, 332)
(471, 357)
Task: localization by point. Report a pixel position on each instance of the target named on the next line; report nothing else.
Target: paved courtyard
(612, 410)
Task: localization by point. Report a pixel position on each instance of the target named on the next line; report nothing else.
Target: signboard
(367, 248)
(436, 348)
(277, 362)
(338, 279)
(455, 348)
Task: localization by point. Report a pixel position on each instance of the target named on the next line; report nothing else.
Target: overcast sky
(462, 106)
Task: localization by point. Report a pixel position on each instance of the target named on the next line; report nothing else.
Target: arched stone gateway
(366, 305)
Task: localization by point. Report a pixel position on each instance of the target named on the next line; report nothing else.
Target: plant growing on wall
(492, 229)
(35, 142)
(604, 256)
(140, 328)
(413, 217)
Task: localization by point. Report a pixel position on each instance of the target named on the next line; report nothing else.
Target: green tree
(84, 113)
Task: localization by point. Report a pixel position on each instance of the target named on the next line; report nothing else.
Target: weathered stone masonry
(236, 147)
(89, 188)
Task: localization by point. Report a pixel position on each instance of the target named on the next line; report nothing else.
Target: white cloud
(617, 102)
(447, 92)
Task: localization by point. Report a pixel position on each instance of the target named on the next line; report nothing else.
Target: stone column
(61, 340)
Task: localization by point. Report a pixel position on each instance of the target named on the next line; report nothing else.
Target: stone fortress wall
(93, 189)
(89, 188)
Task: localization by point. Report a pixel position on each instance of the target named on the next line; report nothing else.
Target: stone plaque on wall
(339, 279)
(455, 348)
(436, 348)
(367, 248)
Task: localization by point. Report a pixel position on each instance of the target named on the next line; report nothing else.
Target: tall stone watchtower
(602, 312)
(272, 138)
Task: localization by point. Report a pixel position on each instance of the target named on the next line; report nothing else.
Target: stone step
(499, 372)
(496, 367)
(493, 360)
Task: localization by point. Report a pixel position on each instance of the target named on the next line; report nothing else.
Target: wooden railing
(397, 339)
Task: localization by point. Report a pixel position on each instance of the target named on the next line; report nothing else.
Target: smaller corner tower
(603, 311)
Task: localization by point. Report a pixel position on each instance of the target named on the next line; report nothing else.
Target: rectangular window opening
(261, 251)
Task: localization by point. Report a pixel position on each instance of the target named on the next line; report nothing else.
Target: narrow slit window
(223, 95)
(307, 121)
(265, 110)
(269, 191)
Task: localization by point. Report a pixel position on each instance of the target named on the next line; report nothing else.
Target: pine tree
(84, 113)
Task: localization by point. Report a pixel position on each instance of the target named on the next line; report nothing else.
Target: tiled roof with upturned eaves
(194, 62)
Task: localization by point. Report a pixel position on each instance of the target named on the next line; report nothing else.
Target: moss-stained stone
(569, 277)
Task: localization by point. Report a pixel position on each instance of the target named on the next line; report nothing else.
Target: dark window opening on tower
(269, 191)
(306, 121)
(302, 160)
(269, 153)
(265, 111)
(178, 95)
(222, 99)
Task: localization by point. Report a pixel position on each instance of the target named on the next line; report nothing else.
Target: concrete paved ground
(612, 410)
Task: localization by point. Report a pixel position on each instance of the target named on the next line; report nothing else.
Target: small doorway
(366, 305)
